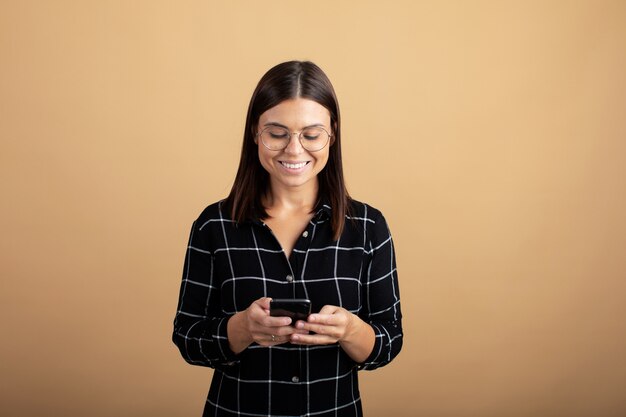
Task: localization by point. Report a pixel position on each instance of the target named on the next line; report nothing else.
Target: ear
(332, 138)
(254, 135)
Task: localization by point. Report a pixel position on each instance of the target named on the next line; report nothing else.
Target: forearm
(359, 341)
(239, 337)
(202, 342)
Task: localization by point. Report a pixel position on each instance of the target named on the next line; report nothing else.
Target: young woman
(289, 229)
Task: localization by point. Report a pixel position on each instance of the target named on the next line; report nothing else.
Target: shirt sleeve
(381, 308)
(200, 325)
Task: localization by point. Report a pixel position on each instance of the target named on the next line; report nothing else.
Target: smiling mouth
(293, 166)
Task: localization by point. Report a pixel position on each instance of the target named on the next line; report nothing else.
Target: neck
(292, 198)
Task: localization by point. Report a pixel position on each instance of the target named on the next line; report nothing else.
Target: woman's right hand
(255, 324)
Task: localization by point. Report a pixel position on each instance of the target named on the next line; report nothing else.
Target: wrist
(352, 328)
(359, 339)
(239, 337)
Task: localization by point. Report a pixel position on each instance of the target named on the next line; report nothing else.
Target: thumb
(328, 309)
(264, 302)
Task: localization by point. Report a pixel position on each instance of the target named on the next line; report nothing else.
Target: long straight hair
(289, 80)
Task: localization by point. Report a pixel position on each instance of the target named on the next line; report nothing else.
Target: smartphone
(296, 308)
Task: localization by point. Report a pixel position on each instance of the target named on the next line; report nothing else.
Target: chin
(295, 182)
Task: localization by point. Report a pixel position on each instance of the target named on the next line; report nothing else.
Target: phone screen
(297, 309)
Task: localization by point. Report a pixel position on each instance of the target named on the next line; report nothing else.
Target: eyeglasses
(276, 138)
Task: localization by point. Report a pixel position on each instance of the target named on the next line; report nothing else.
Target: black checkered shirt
(229, 265)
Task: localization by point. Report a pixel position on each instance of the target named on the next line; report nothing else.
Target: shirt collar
(323, 211)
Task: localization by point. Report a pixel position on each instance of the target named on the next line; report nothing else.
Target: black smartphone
(296, 308)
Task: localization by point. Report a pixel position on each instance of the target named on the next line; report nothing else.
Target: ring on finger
(274, 338)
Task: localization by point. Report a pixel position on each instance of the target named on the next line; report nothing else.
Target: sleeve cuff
(370, 362)
(220, 337)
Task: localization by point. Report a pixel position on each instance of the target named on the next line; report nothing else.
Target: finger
(269, 321)
(299, 327)
(277, 339)
(256, 310)
(329, 309)
(265, 339)
(264, 302)
(303, 325)
(327, 319)
(283, 330)
(331, 331)
(312, 339)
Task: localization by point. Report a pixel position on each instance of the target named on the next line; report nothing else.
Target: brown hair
(289, 80)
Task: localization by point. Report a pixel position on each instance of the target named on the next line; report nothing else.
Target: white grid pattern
(229, 265)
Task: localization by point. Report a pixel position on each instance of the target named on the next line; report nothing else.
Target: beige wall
(492, 135)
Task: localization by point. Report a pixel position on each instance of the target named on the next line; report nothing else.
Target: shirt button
(305, 234)
(295, 379)
(289, 278)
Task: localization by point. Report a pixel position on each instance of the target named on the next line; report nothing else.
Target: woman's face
(294, 166)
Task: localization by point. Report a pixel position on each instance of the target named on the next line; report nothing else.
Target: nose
(294, 146)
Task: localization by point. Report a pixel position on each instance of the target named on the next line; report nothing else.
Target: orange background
(491, 134)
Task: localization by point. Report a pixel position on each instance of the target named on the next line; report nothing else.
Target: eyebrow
(281, 125)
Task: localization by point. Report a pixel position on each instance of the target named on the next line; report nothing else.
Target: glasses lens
(314, 138)
(275, 137)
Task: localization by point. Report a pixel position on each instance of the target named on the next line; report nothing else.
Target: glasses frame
(260, 135)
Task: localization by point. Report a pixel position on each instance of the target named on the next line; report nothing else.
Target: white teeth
(294, 166)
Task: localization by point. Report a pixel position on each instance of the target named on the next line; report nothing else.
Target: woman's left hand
(331, 325)
(337, 325)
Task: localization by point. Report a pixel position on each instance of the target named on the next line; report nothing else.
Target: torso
(232, 265)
